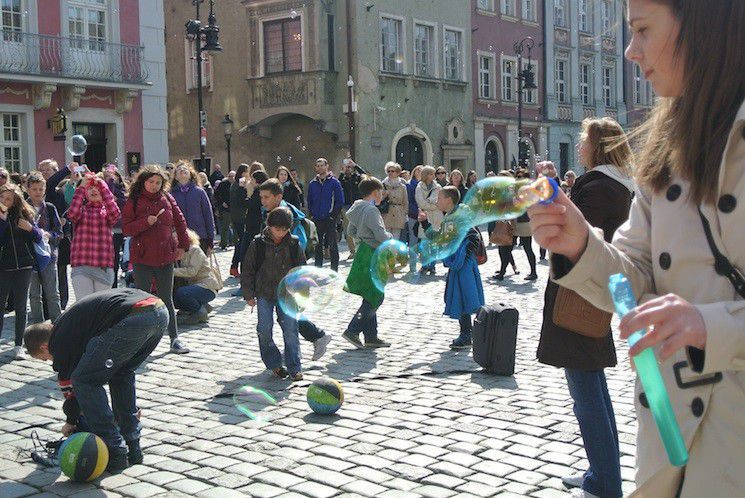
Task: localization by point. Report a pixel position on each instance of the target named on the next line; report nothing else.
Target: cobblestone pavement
(418, 419)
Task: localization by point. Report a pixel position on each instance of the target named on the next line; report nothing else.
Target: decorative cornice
(93, 96)
(11, 91)
(71, 96)
(42, 95)
(124, 100)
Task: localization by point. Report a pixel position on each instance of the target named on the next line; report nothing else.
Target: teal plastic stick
(651, 378)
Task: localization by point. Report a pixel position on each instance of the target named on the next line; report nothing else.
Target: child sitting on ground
(271, 255)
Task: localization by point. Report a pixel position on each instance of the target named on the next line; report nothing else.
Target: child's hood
(360, 210)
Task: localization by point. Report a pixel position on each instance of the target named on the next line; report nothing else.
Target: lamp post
(195, 31)
(350, 116)
(525, 81)
(227, 126)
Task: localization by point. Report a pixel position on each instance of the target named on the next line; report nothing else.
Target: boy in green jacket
(366, 226)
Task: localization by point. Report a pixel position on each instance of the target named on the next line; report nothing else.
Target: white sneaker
(574, 481)
(179, 347)
(18, 353)
(581, 493)
(319, 347)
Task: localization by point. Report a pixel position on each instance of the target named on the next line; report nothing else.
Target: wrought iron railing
(80, 58)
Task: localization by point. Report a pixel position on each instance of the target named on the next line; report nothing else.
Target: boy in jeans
(366, 227)
(271, 255)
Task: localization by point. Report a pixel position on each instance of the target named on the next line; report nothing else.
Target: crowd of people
(671, 224)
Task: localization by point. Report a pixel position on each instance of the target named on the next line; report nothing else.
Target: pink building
(84, 57)
(496, 26)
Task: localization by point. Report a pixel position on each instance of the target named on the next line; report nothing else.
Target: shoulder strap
(260, 253)
(722, 265)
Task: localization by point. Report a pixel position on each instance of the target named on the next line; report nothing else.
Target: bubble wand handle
(650, 377)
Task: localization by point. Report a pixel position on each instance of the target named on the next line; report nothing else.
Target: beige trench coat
(398, 201)
(662, 249)
(426, 199)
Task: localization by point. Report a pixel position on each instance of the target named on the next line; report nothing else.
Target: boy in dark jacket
(325, 200)
(271, 255)
(102, 339)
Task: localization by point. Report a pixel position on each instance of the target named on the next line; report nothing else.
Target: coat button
(643, 400)
(665, 260)
(673, 192)
(697, 406)
(727, 203)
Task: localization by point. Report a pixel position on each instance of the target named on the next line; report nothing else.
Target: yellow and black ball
(83, 457)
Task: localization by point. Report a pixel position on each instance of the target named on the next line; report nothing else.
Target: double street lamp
(525, 81)
(196, 32)
(227, 126)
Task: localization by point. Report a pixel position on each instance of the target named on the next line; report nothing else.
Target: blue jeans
(127, 344)
(308, 330)
(44, 284)
(594, 412)
(270, 354)
(365, 321)
(192, 298)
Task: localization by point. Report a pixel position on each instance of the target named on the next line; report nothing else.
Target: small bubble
(398, 105)
(491, 47)
(298, 138)
(109, 363)
(279, 159)
(304, 147)
(289, 158)
(293, 14)
(399, 60)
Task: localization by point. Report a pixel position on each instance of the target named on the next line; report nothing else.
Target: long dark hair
(289, 176)
(145, 173)
(686, 135)
(20, 208)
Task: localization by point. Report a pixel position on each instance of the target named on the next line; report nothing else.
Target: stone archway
(415, 132)
(494, 156)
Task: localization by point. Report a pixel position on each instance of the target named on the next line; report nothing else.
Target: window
(560, 13)
(508, 77)
(424, 46)
(486, 76)
(608, 87)
(11, 142)
(485, 5)
(560, 77)
(283, 46)
(86, 24)
(508, 7)
(529, 96)
(391, 35)
(12, 20)
(190, 52)
(585, 16)
(606, 16)
(529, 10)
(650, 94)
(637, 91)
(585, 80)
(453, 47)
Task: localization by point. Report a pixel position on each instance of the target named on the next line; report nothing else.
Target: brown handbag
(575, 313)
(502, 234)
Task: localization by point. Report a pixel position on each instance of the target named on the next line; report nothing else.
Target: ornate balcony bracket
(71, 97)
(124, 100)
(42, 95)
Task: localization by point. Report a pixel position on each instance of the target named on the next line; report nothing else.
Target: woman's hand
(670, 320)
(151, 220)
(560, 227)
(24, 225)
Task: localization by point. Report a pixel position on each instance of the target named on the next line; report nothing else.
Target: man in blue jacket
(325, 200)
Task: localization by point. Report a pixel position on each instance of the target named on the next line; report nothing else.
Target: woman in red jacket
(150, 216)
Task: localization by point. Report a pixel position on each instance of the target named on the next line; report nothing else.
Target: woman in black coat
(603, 194)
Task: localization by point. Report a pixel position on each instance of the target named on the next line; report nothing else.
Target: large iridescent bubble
(390, 262)
(491, 199)
(307, 289)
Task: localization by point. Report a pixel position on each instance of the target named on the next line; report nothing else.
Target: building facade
(584, 44)
(497, 26)
(81, 59)
(284, 78)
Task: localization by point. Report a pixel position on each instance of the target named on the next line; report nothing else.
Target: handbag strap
(722, 265)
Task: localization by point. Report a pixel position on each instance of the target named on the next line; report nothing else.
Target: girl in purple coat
(194, 204)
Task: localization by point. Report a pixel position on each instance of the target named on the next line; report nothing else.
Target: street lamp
(350, 116)
(525, 81)
(196, 32)
(227, 126)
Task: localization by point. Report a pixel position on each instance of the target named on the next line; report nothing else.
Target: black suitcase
(495, 338)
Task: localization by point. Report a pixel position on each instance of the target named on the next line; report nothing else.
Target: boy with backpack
(464, 294)
(271, 255)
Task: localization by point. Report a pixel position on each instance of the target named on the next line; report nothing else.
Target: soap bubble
(307, 289)
(279, 159)
(254, 403)
(293, 14)
(109, 363)
(298, 138)
(389, 262)
(77, 145)
(304, 147)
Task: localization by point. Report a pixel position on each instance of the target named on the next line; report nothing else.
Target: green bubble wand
(650, 377)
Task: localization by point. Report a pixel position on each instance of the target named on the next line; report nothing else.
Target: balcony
(311, 93)
(34, 57)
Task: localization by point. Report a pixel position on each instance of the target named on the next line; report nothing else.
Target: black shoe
(354, 340)
(517, 272)
(280, 372)
(377, 343)
(134, 456)
(117, 461)
(461, 343)
(532, 276)
(498, 276)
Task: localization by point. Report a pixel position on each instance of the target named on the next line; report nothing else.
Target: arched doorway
(409, 152)
(491, 158)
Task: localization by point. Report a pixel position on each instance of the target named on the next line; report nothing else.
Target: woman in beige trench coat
(694, 155)
(394, 189)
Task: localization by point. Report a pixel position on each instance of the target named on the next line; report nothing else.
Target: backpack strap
(260, 254)
(722, 265)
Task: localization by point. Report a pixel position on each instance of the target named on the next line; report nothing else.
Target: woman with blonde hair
(426, 199)
(192, 300)
(396, 199)
(194, 203)
(457, 181)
